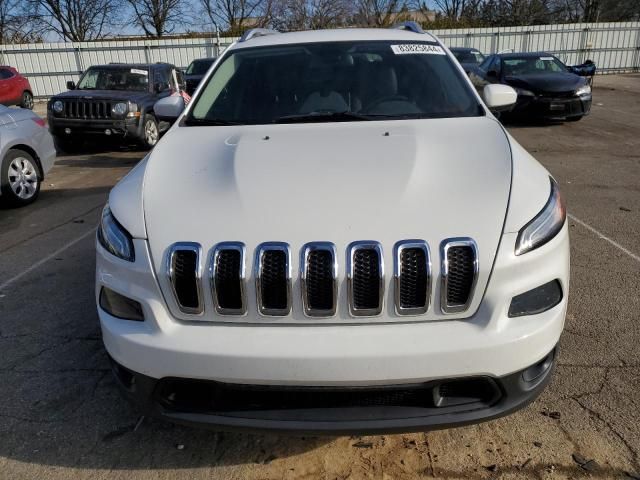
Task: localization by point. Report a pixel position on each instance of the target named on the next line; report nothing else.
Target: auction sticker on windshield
(417, 48)
(139, 72)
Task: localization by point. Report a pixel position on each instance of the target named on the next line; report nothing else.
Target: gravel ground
(61, 416)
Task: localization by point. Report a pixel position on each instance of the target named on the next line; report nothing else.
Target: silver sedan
(27, 153)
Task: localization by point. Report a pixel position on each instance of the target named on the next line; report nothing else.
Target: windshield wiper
(322, 117)
(211, 122)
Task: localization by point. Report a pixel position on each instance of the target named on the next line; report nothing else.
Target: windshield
(472, 56)
(200, 67)
(338, 81)
(109, 78)
(532, 65)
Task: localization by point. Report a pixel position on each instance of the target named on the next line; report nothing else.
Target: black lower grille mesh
(273, 281)
(212, 397)
(366, 279)
(461, 274)
(319, 280)
(227, 279)
(185, 281)
(413, 278)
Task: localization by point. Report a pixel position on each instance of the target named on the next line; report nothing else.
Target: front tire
(150, 132)
(27, 100)
(19, 179)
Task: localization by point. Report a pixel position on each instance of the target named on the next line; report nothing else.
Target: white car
(27, 154)
(335, 236)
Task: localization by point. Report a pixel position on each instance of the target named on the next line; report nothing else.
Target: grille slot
(227, 274)
(412, 277)
(185, 276)
(273, 279)
(319, 279)
(88, 109)
(459, 274)
(365, 276)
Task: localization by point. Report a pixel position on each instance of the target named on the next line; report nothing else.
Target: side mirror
(169, 108)
(71, 85)
(499, 97)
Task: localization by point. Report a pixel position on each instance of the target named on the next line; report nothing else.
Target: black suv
(113, 101)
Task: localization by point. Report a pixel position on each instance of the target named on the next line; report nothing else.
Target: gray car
(27, 153)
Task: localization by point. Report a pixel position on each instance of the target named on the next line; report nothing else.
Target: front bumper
(551, 107)
(488, 345)
(126, 127)
(329, 410)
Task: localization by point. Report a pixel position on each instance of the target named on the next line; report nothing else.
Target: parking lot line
(45, 259)
(604, 237)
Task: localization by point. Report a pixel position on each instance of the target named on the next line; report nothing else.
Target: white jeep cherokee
(336, 236)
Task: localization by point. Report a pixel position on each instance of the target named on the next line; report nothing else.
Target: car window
(5, 73)
(486, 62)
(533, 65)
(200, 67)
(375, 79)
(162, 79)
(110, 78)
(471, 56)
(495, 64)
(180, 79)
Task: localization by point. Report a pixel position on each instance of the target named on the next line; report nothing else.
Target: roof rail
(409, 26)
(256, 32)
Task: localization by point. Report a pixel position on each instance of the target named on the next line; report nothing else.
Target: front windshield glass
(119, 78)
(338, 81)
(199, 67)
(532, 65)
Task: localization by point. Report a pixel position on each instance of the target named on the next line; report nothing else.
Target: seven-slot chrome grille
(319, 264)
(87, 109)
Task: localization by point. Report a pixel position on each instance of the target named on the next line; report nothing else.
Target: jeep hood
(337, 182)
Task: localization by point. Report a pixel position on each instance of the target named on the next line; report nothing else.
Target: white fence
(614, 47)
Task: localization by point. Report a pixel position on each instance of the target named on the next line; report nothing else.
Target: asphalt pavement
(61, 415)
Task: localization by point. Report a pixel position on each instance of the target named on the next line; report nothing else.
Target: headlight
(133, 110)
(114, 238)
(58, 106)
(584, 90)
(119, 108)
(545, 225)
(525, 93)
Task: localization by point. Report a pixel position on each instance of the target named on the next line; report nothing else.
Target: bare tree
(16, 26)
(234, 16)
(157, 18)
(451, 9)
(380, 13)
(310, 14)
(75, 20)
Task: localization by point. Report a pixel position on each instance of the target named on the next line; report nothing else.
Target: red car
(14, 88)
